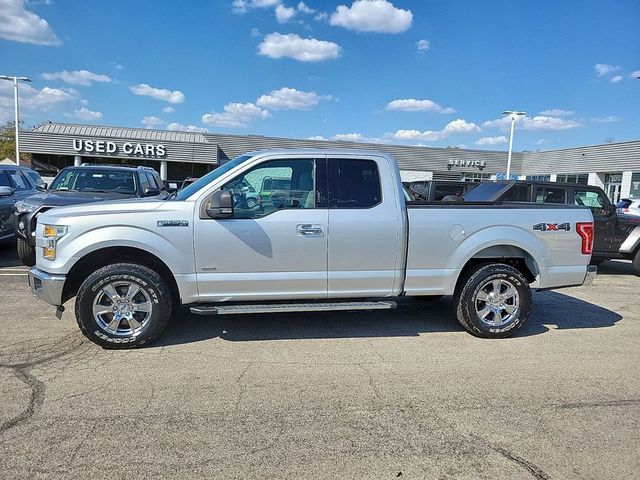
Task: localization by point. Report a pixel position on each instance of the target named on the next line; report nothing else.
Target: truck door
(275, 246)
(608, 236)
(364, 229)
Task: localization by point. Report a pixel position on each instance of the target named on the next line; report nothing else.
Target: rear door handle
(309, 230)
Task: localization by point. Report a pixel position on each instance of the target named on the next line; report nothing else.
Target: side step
(291, 307)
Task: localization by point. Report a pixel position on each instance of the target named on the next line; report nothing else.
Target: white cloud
(151, 121)
(635, 74)
(77, 77)
(302, 7)
(284, 14)
(277, 45)
(616, 79)
(413, 105)
(86, 114)
(492, 140)
(168, 109)
(33, 99)
(423, 45)
(458, 126)
(556, 112)
(351, 137)
(235, 115)
(290, 99)
(317, 137)
(378, 16)
(186, 128)
(608, 119)
(21, 25)
(243, 6)
(537, 123)
(255, 32)
(602, 69)
(158, 93)
(542, 141)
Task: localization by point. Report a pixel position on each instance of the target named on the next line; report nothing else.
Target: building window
(580, 178)
(476, 177)
(539, 178)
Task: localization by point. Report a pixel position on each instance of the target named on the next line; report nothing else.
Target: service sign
(467, 163)
(122, 149)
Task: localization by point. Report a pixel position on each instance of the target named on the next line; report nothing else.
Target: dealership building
(177, 155)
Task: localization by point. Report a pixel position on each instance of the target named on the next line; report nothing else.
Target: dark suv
(615, 236)
(84, 184)
(16, 183)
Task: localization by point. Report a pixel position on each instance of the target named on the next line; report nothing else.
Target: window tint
(354, 184)
(519, 193)
(273, 185)
(442, 190)
(4, 180)
(591, 199)
(18, 181)
(152, 181)
(144, 181)
(37, 180)
(549, 195)
(85, 180)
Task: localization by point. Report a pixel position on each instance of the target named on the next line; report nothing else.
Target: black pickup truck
(436, 190)
(615, 236)
(84, 184)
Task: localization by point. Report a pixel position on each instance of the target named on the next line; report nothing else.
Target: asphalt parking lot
(402, 394)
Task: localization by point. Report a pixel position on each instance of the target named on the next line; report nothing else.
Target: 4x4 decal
(549, 227)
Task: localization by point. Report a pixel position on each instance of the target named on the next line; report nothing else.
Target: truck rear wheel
(493, 301)
(123, 306)
(636, 263)
(26, 253)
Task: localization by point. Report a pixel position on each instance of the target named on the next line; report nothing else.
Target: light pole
(17, 117)
(513, 114)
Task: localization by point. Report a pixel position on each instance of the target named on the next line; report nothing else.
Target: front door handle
(309, 230)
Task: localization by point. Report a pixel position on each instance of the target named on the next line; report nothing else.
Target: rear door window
(18, 181)
(4, 180)
(442, 190)
(549, 195)
(354, 184)
(519, 193)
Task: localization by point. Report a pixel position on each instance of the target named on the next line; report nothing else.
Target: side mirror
(42, 187)
(221, 205)
(6, 191)
(151, 192)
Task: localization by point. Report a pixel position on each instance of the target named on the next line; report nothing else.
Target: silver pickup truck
(335, 232)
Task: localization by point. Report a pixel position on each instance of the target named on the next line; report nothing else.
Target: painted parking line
(13, 274)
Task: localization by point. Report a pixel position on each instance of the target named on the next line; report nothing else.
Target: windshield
(485, 192)
(88, 180)
(209, 177)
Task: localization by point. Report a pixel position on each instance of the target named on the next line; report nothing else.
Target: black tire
(473, 286)
(636, 263)
(26, 253)
(252, 203)
(153, 290)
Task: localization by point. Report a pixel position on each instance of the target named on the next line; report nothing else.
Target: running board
(291, 307)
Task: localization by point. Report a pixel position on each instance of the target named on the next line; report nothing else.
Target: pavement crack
(532, 468)
(37, 391)
(372, 383)
(241, 387)
(610, 403)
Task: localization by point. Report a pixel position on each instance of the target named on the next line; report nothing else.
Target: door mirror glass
(151, 191)
(6, 191)
(220, 205)
(41, 187)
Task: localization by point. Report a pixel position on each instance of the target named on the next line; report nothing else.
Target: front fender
(176, 252)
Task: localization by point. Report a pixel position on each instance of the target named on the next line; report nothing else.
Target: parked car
(629, 207)
(16, 183)
(83, 184)
(436, 190)
(345, 235)
(615, 235)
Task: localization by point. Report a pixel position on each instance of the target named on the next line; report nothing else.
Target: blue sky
(436, 73)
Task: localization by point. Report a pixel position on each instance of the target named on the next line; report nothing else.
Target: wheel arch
(102, 257)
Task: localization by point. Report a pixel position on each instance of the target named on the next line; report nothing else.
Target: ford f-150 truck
(340, 234)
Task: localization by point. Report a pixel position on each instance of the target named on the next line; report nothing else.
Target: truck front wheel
(26, 253)
(493, 301)
(123, 306)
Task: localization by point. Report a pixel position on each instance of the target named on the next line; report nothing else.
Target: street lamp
(17, 117)
(513, 114)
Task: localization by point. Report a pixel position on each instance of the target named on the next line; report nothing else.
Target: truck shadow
(412, 318)
(616, 267)
(8, 254)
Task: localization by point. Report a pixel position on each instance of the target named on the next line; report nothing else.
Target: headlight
(52, 233)
(25, 207)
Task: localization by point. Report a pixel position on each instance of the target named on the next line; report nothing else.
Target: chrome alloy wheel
(497, 303)
(122, 308)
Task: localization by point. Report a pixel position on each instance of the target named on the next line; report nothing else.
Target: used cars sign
(109, 147)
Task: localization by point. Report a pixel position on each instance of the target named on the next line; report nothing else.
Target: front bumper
(46, 286)
(592, 270)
